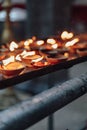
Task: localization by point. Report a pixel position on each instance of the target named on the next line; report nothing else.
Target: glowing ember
(13, 46)
(65, 35)
(72, 42)
(51, 41)
(8, 60)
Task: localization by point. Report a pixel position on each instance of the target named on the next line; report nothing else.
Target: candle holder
(12, 69)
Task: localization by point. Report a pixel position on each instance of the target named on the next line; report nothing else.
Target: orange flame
(25, 54)
(38, 59)
(13, 45)
(65, 35)
(30, 53)
(18, 57)
(40, 42)
(54, 46)
(72, 42)
(8, 60)
(28, 42)
(51, 41)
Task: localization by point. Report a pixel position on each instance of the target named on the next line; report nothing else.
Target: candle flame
(18, 57)
(72, 42)
(38, 59)
(25, 54)
(8, 60)
(30, 53)
(65, 35)
(51, 41)
(28, 42)
(13, 45)
(40, 42)
(54, 46)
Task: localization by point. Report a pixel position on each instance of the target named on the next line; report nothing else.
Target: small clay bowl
(12, 69)
(57, 59)
(41, 63)
(28, 59)
(82, 52)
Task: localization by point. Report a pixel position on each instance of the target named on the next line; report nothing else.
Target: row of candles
(32, 53)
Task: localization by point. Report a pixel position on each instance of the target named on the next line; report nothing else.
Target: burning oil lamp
(66, 35)
(56, 59)
(14, 49)
(13, 46)
(49, 48)
(36, 44)
(80, 47)
(40, 62)
(28, 56)
(27, 43)
(70, 45)
(31, 44)
(10, 67)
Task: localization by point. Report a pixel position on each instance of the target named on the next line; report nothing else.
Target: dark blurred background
(45, 18)
(37, 18)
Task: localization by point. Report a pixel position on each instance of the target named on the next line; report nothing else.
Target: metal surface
(37, 72)
(28, 112)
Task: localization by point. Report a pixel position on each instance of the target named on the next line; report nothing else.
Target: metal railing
(27, 113)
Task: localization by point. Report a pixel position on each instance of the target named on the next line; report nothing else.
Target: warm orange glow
(66, 54)
(40, 42)
(65, 35)
(13, 46)
(51, 41)
(72, 42)
(8, 60)
(54, 46)
(13, 66)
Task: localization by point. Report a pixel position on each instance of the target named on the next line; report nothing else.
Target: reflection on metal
(7, 35)
(28, 112)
